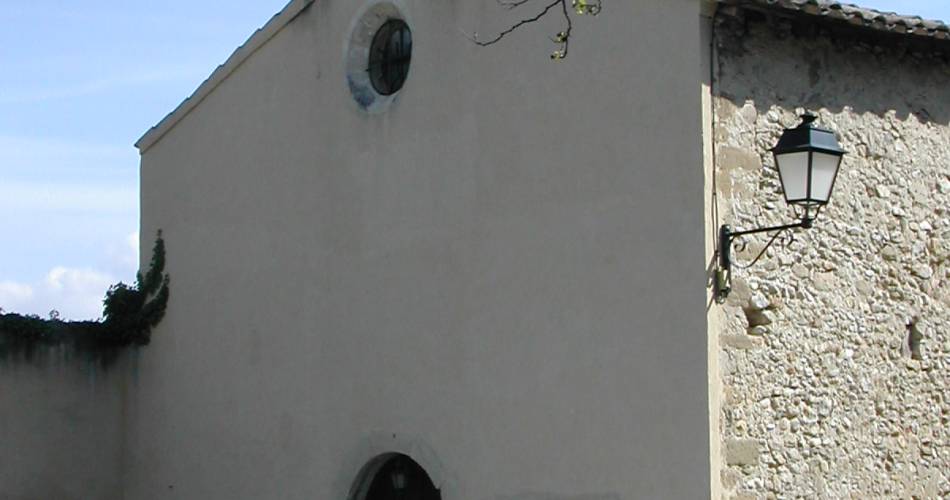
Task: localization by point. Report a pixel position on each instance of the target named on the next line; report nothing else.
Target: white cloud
(13, 295)
(126, 255)
(64, 278)
(75, 293)
(133, 241)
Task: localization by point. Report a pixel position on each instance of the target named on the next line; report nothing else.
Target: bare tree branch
(511, 4)
(562, 39)
(519, 24)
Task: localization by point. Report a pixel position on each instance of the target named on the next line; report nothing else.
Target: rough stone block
(758, 331)
(742, 452)
(732, 158)
(742, 342)
(923, 271)
(730, 478)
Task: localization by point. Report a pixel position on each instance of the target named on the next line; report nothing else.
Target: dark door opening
(395, 477)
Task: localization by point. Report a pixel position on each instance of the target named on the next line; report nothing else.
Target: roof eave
(871, 22)
(222, 72)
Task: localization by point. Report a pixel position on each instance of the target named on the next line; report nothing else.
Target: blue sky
(930, 9)
(79, 84)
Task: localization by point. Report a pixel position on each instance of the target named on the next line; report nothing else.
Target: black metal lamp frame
(727, 236)
(804, 138)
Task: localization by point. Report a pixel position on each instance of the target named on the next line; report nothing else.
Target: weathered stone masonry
(835, 350)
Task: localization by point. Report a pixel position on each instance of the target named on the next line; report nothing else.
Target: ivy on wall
(128, 316)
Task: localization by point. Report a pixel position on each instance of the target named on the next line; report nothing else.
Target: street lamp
(808, 159)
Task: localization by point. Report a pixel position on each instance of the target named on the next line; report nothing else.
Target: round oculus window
(389, 57)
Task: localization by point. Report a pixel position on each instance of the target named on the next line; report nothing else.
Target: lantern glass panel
(824, 167)
(793, 167)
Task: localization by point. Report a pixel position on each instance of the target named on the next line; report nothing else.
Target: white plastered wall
(502, 275)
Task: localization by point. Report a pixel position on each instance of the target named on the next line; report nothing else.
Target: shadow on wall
(791, 64)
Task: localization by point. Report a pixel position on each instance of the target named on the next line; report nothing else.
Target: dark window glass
(389, 57)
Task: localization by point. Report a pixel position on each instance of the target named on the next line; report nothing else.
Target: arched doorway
(394, 476)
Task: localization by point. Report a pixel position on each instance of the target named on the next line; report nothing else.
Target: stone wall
(835, 350)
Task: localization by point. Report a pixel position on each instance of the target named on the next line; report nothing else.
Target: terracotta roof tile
(855, 15)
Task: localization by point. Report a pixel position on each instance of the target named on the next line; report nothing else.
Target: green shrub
(129, 314)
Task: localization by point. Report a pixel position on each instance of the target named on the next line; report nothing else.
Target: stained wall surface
(60, 428)
(835, 349)
(501, 276)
